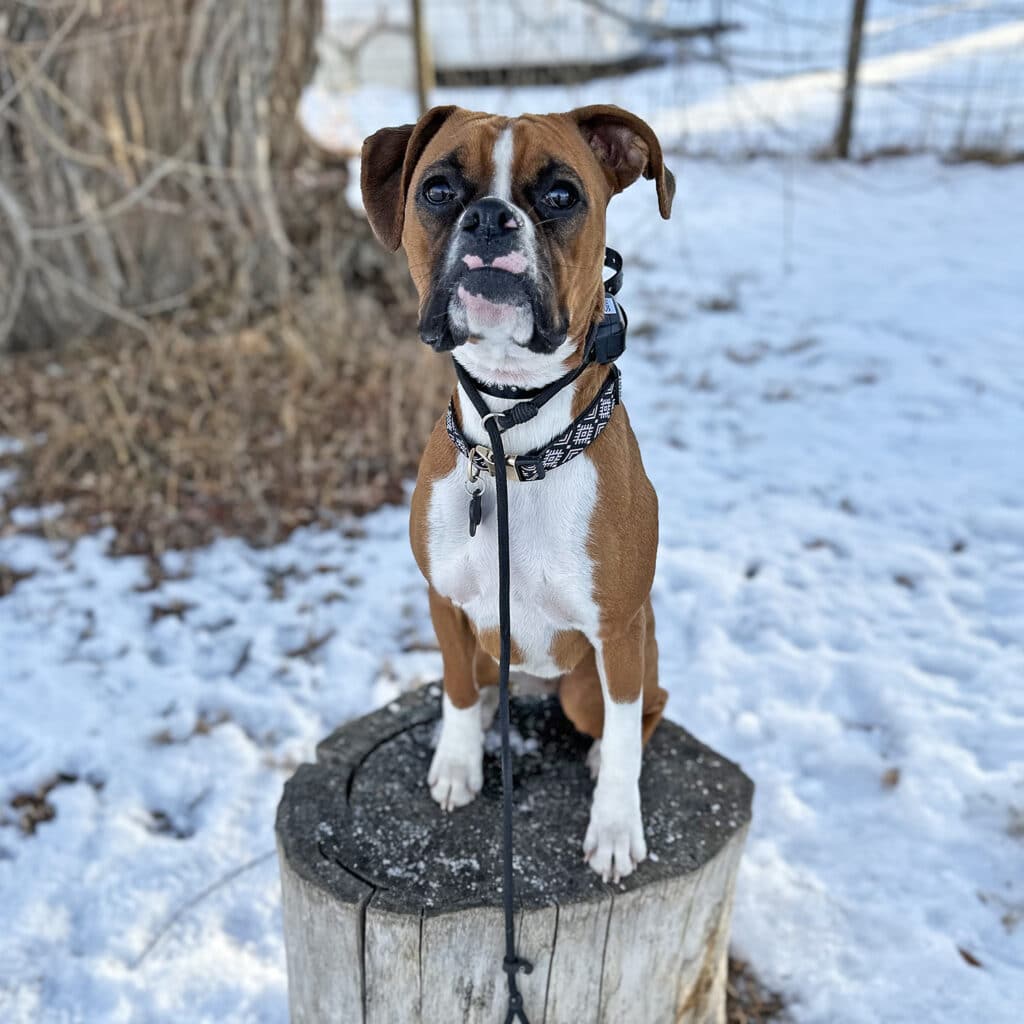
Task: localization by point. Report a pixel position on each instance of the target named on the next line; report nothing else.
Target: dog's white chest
(551, 572)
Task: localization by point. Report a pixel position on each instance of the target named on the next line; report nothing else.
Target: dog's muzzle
(489, 284)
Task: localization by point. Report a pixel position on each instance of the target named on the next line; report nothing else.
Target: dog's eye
(438, 191)
(561, 196)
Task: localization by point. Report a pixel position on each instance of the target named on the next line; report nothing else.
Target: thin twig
(659, 30)
(87, 295)
(194, 901)
(48, 51)
(15, 285)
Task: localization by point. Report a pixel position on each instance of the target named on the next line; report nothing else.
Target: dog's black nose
(490, 218)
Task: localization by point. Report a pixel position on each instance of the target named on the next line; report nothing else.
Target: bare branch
(659, 30)
(44, 57)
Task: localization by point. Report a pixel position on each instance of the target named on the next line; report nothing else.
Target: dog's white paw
(594, 759)
(454, 781)
(615, 844)
(456, 772)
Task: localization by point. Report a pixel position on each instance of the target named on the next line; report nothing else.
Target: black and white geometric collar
(573, 441)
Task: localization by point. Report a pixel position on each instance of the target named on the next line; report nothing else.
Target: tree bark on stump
(392, 910)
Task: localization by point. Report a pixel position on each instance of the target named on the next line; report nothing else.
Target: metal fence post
(844, 129)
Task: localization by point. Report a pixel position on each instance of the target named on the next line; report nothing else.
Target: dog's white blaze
(503, 156)
(501, 183)
(520, 328)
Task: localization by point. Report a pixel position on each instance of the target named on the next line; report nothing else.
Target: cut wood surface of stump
(392, 909)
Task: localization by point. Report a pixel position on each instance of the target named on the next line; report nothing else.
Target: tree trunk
(151, 163)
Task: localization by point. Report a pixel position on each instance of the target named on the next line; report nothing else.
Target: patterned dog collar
(573, 441)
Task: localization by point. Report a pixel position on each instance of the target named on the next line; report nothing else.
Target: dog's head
(503, 219)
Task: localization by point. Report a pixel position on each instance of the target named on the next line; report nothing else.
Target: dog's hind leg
(580, 695)
(485, 670)
(655, 698)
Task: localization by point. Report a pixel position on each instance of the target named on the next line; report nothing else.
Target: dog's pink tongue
(515, 262)
(483, 312)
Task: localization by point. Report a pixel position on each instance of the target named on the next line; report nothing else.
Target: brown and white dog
(503, 224)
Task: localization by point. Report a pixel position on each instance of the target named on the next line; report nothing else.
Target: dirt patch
(315, 412)
(33, 809)
(747, 1000)
(11, 577)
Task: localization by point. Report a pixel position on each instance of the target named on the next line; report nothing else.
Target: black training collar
(511, 391)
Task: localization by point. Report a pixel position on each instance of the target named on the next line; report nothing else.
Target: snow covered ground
(826, 374)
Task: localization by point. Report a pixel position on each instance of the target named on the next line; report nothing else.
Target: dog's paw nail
(454, 783)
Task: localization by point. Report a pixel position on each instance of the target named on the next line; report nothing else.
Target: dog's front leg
(456, 772)
(614, 842)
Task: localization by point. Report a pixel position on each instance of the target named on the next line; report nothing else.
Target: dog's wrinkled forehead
(505, 156)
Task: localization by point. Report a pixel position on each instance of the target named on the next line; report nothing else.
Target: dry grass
(317, 411)
(747, 1000)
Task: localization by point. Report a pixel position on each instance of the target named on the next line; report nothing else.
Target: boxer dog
(503, 224)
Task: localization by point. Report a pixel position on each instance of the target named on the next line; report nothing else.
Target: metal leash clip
(511, 468)
(486, 456)
(472, 475)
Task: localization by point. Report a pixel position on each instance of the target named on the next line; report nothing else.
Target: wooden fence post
(424, 63)
(844, 129)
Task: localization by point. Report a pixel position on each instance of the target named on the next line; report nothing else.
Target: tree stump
(392, 909)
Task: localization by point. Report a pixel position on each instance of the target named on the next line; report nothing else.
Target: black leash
(605, 342)
(513, 963)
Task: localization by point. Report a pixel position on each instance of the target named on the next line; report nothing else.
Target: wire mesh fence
(715, 77)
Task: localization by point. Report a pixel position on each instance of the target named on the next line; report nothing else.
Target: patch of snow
(23, 517)
(518, 743)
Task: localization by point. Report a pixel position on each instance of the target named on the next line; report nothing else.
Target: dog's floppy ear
(627, 147)
(389, 157)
